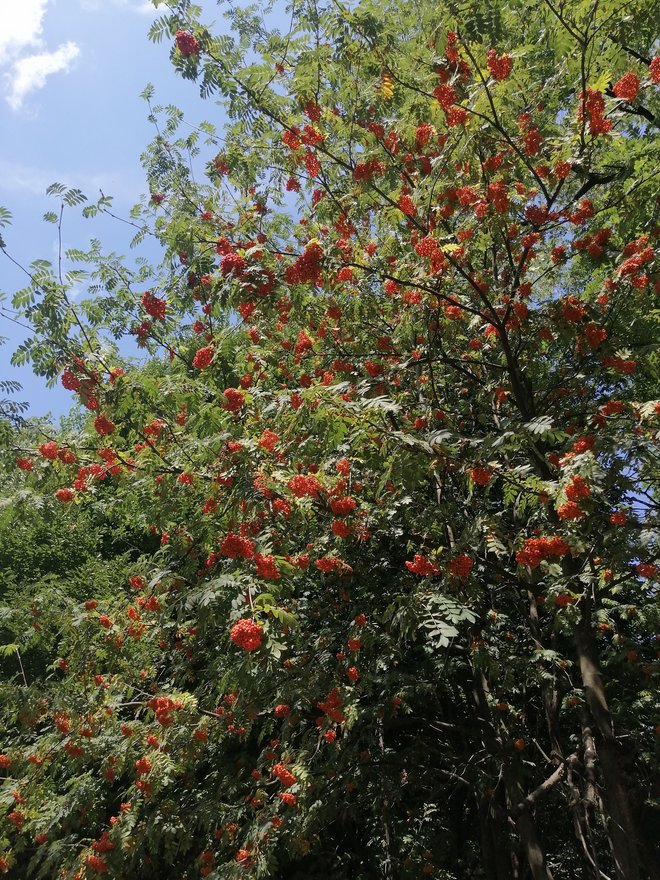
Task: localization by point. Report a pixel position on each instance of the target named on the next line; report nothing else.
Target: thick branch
(529, 802)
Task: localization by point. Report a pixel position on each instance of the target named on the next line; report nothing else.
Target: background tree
(367, 577)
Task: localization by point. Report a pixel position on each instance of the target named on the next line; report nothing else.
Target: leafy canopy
(354, 573)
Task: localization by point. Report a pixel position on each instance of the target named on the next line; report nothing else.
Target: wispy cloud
(24, 53)
(32, 71)
(142, 7)
(18, 178)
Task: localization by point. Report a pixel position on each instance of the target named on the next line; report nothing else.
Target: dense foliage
(355, 574)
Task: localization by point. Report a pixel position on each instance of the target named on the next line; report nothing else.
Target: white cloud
(22, 22)
(23, 51)
(32, 71)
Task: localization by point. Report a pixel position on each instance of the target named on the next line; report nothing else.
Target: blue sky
(71, 73)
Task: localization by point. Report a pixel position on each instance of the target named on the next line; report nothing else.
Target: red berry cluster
(268, 440)
(69, 381)
(103, 425)
(49, 450)
(154, 306)
(97, 863)
(569, 511)
(203, 357)
(247, 634)
(577, 489)
(627, 87)
(593, 106)
(445, 95)
(186, 43)
(233, 263)
(291, 138)
(163, 707)
(461, 565)
(536, 550)
(654, 70)
(284, 776)
(235, 546)
(422, 566)
(307, 267)
(266, 567)
(330, 706)
(142, 766)
(343, 506)
(234, 399)
(499, 65)
(481, 475)
(302, 486)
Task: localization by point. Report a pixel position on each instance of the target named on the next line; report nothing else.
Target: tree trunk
(586, 802)
(623, 831)
(496, 853)
(524, 820)
(525, 825)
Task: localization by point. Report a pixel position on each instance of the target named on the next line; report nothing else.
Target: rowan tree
(377, 593)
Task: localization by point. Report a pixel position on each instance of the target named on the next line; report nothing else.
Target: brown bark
(591, 796)
(586, 803)
(525, 825)
(623, 831)
(528, 834)
(548, 689)
(497, 859)
(529, 802)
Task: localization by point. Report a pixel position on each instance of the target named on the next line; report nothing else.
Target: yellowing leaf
(387, 86)
(602, 82)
